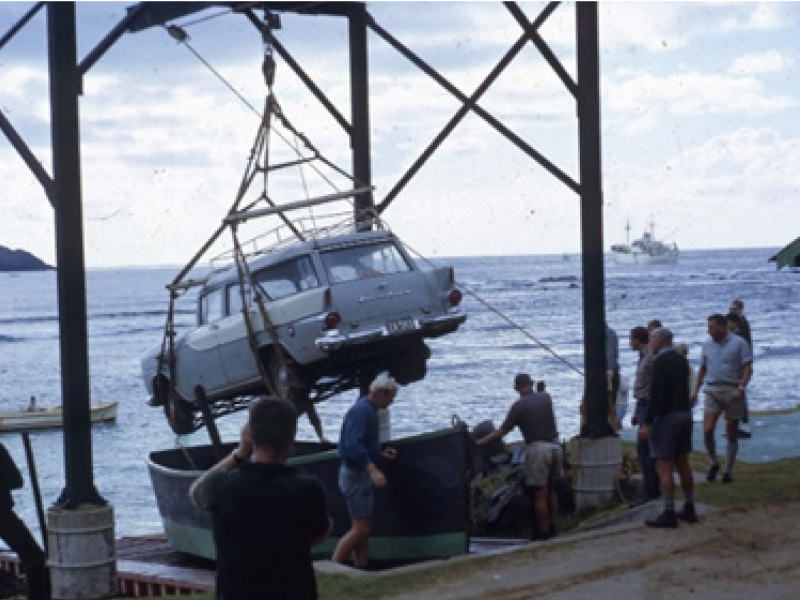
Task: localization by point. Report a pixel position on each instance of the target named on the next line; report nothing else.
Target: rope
(506, 318)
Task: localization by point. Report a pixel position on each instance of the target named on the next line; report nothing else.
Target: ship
(646, 250)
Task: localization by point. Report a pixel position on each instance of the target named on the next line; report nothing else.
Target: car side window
(360, 262)
(211, 307)
(287, 278)
(235, 298)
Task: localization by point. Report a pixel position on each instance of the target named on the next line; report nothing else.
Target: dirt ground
(731, 554)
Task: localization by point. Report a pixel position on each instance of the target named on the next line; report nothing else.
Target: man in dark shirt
(17, 535)
(359, 475)
(265, 517)
(533, 414)
(668, 426)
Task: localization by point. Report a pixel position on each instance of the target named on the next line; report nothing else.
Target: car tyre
(180, 414)
(285, 381)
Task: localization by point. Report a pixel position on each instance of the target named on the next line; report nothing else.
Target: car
(303, 321)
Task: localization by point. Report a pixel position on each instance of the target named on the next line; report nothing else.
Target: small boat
(646, 250)
(52, 417)
(424, 513)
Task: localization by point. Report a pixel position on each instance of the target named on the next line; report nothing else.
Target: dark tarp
(789, 256)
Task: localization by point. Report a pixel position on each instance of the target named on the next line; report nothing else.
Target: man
(359, 475)
(727, 362)
(668, 426)
(533, 414)
(737, 308)
(265, 518)
(17, 535)
(735, 325)
(612, 373)
(640, 342)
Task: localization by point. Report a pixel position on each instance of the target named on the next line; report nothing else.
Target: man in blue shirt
(359, 476)
(726, 368)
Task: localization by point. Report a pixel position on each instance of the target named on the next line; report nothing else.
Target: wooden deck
(148, 568)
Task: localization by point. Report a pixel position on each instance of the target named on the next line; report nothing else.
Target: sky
(700, 126)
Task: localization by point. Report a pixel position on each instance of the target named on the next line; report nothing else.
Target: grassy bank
(754, 484)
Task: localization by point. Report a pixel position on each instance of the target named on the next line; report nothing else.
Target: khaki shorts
(719, 399)
(543, 460)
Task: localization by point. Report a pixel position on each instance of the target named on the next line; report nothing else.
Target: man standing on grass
(533, 414)
(640, 342)
(265, 518)
(668, 426)
(726, 368)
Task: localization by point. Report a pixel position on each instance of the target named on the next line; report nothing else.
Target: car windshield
(359, 262)
(287, 278)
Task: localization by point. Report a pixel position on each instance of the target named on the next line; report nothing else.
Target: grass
(756, 483)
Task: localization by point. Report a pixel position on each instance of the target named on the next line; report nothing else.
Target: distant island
(20, 260)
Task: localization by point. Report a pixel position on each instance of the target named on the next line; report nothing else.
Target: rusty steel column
(71, 277)
(359, 102)
(595, 393)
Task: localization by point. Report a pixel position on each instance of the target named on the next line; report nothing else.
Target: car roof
(258, 261)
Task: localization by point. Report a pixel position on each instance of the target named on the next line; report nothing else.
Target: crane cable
(505, 317)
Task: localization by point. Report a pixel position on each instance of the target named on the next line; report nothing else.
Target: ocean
(470, 372)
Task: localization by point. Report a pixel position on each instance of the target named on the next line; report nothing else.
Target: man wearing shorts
(726, 368)
(668, 426)
(359, 477)
(533, 414)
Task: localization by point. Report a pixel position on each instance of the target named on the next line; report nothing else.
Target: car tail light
(454, 297)
(332, 320)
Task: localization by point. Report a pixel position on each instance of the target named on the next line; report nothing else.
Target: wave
(8, 339)
(131, 314)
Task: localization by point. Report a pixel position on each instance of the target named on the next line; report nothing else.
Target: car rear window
(287, 278)
(358, 262)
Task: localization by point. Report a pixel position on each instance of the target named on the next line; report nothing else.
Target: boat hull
(640, 258)
(423, 513)
(52, 418)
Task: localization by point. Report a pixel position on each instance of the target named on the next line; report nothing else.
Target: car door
(236, 355)
(198, 358)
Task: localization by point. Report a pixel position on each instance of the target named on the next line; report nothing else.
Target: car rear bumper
(423, 328)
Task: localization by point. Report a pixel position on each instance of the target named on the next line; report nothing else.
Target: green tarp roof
(789, 256)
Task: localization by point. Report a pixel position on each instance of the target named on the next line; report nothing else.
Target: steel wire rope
(506, 318)
(178, 33)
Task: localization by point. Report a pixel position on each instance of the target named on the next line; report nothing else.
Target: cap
(522, 380)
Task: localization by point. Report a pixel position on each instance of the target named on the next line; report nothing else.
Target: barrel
(595, 467)
(82, 553)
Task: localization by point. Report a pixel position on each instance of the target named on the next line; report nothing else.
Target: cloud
(686, 94)
(765, 62)
(762, 16)
(733, 190)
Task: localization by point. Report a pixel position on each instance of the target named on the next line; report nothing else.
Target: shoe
(667, 519)
(688, 513)
(745, 434)
(727, 478)
(712, 473)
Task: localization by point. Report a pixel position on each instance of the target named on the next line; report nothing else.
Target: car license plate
(401, 325)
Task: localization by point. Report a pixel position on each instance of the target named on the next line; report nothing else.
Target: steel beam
(71, 277)
(359, 101)
(594, 331)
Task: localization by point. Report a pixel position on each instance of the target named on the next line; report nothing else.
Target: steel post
(359, 94)
(71, 279)
(595, 393)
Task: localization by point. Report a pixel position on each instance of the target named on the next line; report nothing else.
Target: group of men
(266, 518)
(666, 391)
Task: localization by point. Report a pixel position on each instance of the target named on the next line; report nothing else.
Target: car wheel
(285, 381)
(180, 414)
